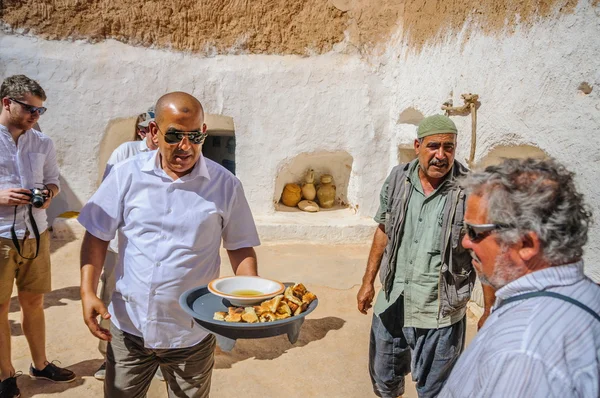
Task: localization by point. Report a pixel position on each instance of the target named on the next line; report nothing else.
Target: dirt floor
(328, 360)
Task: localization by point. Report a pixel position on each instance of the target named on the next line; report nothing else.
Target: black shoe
(53, 373)
(8, 387)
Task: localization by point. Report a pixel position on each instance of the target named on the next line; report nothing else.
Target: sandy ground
(328, 360)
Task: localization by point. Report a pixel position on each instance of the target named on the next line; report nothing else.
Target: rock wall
(270, 26)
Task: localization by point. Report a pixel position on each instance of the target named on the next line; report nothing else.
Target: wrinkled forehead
(182, 119)
(440, 139)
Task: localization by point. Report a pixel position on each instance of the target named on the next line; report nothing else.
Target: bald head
(178, 105)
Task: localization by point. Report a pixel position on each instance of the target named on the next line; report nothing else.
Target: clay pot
(309, 191)
(326, 192)
(292, 194)
(308, 205)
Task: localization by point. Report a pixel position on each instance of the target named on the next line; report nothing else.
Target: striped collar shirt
(539, 347)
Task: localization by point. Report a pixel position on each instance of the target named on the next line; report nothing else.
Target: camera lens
(37, 201)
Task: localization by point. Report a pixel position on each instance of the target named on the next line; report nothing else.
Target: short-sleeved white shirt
(170, 235)
(121, 153)
(31, 162)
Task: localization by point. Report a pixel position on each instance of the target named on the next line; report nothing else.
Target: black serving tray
(201, 304)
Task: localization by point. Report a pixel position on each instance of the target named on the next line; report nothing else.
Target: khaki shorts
(32, 276)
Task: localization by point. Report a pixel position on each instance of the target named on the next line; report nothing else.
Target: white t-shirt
(171, 233)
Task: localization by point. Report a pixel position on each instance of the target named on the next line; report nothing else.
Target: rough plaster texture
(271, 26)
(284, 106)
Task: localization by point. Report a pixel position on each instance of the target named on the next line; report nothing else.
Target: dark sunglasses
(174, 136)
(478, 232)
(30, 108)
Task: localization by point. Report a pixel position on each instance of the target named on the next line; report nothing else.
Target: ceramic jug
(292, 194)
(326, 192)
(308, 189)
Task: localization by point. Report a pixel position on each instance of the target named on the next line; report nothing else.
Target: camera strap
(36, 233)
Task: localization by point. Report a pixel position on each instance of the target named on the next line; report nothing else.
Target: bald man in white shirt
(167, 246)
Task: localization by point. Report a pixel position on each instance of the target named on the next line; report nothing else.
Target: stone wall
(270, 26)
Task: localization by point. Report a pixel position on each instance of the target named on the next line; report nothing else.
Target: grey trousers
(392, 346)
(130, 367)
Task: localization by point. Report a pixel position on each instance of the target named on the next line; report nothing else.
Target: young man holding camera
(28, 182)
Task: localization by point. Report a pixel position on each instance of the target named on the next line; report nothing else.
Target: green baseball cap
(436, 124)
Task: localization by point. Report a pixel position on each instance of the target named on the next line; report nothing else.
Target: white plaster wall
(528, 89)
(281, 106)
(286, 105)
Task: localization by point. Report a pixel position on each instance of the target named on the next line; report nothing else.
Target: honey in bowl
(246, 293)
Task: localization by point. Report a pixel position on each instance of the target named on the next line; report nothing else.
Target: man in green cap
(426, 274)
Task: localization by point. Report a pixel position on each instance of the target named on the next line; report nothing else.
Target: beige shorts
(32, 276)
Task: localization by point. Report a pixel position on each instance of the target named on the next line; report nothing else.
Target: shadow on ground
(274, 347)
(52, 299)
(30, 387)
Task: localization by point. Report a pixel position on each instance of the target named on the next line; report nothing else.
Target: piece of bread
(271, 305)
(220, 316)
(308, 297)
(293, 306)
(249, 315)
(301, 309)
(235, 310)
(283, 308)
(259, 310)
(289, 295)
(282, 316)
(299, 290)
(233, 318)
(267, 317)
(235, 314)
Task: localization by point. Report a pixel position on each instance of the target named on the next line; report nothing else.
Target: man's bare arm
(93, 253)
(243, 261)
(366, 293)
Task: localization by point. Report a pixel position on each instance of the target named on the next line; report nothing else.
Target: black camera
(38, 197)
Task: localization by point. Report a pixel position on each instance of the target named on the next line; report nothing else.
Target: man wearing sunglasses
(426, 275)
(27, 160)
(172, 208)
(528, 226)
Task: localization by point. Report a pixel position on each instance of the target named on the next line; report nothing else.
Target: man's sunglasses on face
(175, 136)
(30, 108)
(478, 232)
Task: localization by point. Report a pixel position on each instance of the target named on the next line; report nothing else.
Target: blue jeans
(433, 351)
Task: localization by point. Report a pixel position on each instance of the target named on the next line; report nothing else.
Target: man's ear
(204, 127)
(530, 246)
(5, 103)
(153, 130)
(417, 145)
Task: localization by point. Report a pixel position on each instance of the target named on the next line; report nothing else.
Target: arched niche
(500, 152)
(410, 116)
(338, 164)
(219, 146)
(406, 154)
(117, 132)
(220, 143)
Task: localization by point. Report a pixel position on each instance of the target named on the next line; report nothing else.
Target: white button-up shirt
(26, 165)
(121, 153)
(539, 347)
(125, 151)
(170, 235)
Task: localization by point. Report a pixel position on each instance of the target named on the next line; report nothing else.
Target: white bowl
(236, 289)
